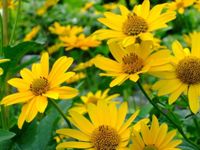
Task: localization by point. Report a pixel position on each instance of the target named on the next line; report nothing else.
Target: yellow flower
(84, 65)
(180, 5)
(11, 4)
(65, 30)
(197, 5)
(34, 31)
(2, 61)
(54, 48)
(107, 129)
(110, 6)
(82, 42)
(38, 84)
(184, 76)
(155, 137)
(134, 25)
(76, 77)
(93, 98)
(87, 6)
(132, 61)
(47, 4)
(188, 38)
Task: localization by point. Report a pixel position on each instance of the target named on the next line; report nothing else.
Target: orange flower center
(134, 25)
(188, 70)
(132, 63)
(39, 86)
(105, 138)
(150, 147)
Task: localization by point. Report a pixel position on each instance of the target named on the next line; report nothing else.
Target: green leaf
(6, 135)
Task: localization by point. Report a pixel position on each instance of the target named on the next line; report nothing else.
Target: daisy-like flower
(107, 129)
(93, 98)
(80, 41)
(134, 25)
(33, 33)
(180, 5)
(131, 61)
(184, 76)
(68, 30)
(38, 84)
(155, 137)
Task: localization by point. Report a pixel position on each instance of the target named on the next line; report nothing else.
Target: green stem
(167, 117)
(16, 21)
(5, 22)
(60, 111)
(1, 43)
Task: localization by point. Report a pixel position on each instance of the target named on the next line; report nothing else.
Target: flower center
(93, 99)
(39, 86)
(150, 147)
(134, 25)
(105, 138)
(188, 70)
(132, 63)
(180, 5)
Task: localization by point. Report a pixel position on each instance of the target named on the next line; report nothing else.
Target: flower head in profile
(106, 129)
(93, 98)
(132, 61)
(79, 41)
(180, 5)
(134, 25)
(68, 30)
(155, 137)
(33, 33)
(184, 76)
(77, 77)
(38, 84)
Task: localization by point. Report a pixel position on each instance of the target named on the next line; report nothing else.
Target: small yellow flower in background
(54, 48)
(107, 129)
(110, 6)
(184, 76)
(87, 6)
(197, 5)
(81, 41)
(84, 65)
(132, 61)
(2, 61)
(155, 137)
(33, 33)
(48, 3)
(38, 84)
(93, 98)
(180, 5)
(134, 25)
(68, 30)
(11, 4)
(188, 38)
(76, 77)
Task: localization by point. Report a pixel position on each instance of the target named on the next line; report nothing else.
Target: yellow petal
(51, 94)
(193, 97)
(74, 134)
(45, 64)
(84, 145)
(66, 92)
(178, 50)
(119, 80)
(41, 103)
(145, 8)
(19, 83)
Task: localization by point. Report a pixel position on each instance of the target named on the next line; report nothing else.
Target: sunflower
(37, 85)
(132, 61)
(180, 5)
(33, 33)
(155, 137)
(93, 98)
(184, 76)
(134, 25)
(107, 129)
